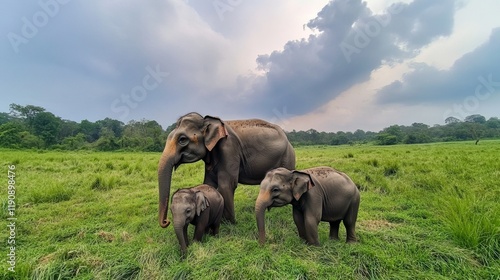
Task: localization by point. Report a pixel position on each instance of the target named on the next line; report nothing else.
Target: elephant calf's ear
(302, 182)
(201, 203)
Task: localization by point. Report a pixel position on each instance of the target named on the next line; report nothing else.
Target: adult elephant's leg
(226, 187)
(227, 193)
(227, 180)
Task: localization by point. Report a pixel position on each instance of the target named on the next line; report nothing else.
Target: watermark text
(11, 217)
(138, 93)
(366, 31)
(483, 91)
(223, 6)
(31, 26)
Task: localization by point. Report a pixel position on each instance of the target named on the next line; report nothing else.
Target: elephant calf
(316, 194)
(201, 206)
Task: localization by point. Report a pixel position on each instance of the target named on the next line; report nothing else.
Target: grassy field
(427, 212)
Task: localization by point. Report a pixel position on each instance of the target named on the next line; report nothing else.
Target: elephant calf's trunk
(179, 232)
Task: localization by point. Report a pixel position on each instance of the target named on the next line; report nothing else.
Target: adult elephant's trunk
(261, 204)
(165, 168)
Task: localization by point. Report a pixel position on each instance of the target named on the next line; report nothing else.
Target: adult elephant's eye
(275, 190)
(183, 140)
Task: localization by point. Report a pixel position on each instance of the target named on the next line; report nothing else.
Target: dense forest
(33, 127)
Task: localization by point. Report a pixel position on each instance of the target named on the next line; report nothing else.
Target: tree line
(473, 127)
(32, 126)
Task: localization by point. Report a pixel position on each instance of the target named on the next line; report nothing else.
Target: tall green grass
(427, 211)
(473, 222)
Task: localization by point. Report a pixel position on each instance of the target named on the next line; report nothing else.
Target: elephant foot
(228, 219)
(351, 240)
(183, 255)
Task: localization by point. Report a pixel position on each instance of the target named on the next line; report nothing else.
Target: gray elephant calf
(316, 194)
(201, 206)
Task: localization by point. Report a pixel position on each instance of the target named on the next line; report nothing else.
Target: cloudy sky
(328, 65)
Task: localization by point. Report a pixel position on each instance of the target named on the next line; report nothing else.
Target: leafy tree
(416, 138)
(475, 119)
(145, 135)
(46, 126)
(74, 142)
(107, 141)
(474, 124)
(359, 135)
(10, 135)
(370, 136)
(115, 126)
(387, 139)
(26, 113)
(340, 138)
(14, 135)
(5, 118)
(493, 122)
(449, 120)
(68, 129)
(172, 127)
(461, 133)
(436, 132)
(416, 133)
(393, 130)
(29, 140)
(90, 130)
(313, 135)
(419, 126)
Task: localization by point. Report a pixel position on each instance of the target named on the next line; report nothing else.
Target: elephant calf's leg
(350, 222)
(334, 230)
(198, 233)
(351, 235)
(298, 218)
(215, 230)
(312, 236)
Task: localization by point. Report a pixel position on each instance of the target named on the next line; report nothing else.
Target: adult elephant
(240, 151)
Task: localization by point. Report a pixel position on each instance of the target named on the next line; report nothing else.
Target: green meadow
(428, 211)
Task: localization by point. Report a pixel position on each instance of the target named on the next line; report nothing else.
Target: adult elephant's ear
(213, 131)
(301, 183)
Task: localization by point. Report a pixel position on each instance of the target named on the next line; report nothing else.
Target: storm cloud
(351, 42)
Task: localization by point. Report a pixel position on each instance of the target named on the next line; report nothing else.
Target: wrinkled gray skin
(316, 194)
(200, 206)
(233, 151)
